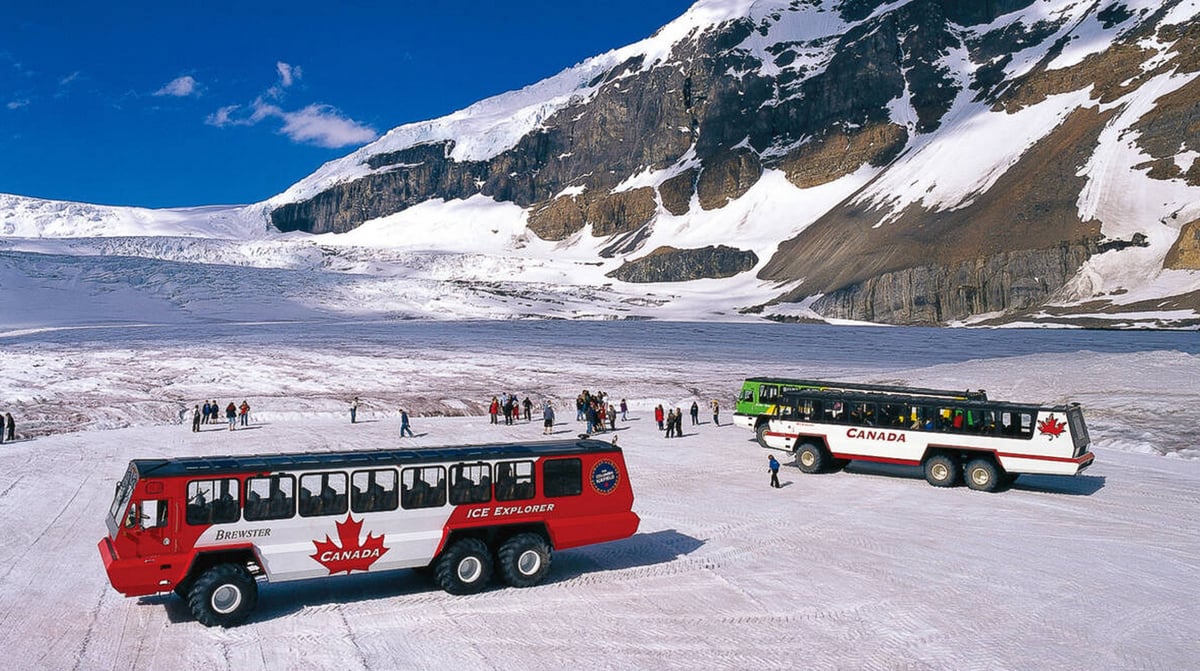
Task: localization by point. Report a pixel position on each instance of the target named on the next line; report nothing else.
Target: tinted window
(212, 501)
(514, 480)
(270, 498)
(423, 487)
(374, 490)
(470, 483)
(562, 477)
(323, 494)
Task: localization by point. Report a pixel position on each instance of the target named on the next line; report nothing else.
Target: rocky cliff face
(766, 93)
(667, 264)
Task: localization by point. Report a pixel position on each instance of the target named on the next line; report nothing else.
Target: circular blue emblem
(605, 477)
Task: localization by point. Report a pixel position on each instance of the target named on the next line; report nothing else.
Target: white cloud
(324, 126)
(180, 87)
(17, 104)
(318, 124)
(287, 73)
(263, 109)
(223, 117)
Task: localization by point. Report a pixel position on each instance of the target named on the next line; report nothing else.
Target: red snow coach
(208, 528)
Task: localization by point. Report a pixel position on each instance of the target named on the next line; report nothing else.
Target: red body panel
(142, 561)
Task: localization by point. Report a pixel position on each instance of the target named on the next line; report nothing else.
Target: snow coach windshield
(121, 499)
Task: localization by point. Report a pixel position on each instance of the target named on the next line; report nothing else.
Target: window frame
(340, 499)
(478, 492)
(431, 495)
(553, 483)
(232, 513)
(389, 497)
(263, 512)
(516, 491)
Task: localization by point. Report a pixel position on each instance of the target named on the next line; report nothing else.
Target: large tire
(464, 568)
(811, 458)
(524, 560)
(183, 590)
(942, 470)
(224, 595)
(760, 432)
(982, 474)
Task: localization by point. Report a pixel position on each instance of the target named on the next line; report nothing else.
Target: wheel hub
(226, 599)
(469, 569)
(529, 562)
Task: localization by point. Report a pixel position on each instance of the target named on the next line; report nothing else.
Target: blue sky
(194, 102)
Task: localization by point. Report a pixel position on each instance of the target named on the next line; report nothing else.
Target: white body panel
(286, 547)
(745, 421)
(1043, 453)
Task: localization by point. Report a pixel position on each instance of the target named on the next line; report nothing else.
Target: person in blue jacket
(774, 466)
(404, 427)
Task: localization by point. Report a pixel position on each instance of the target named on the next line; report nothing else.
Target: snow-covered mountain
(912, 161)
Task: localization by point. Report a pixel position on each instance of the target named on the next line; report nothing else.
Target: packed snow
(870, 568)
(114, 322)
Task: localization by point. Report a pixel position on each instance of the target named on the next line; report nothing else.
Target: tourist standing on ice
(716, 412)
(231, 415)
(547, 419)
(695, 413)
(589, 414)
(12, 427)
(207, 412)
(510, 408)
(528, 405)
(354, 410)
(494, 409)
(670, 423)
(3, 429)
(658, 416)
(404, 427)
(244, 413)
(196, 420)
(612, 417)
(774, 468)
(679, 422)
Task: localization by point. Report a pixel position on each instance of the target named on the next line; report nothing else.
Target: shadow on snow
(588, 563)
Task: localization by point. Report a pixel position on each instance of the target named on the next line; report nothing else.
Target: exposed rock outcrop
(1023, 221)
(838, 155)
(933, 295)
(667, 264)
(676, 193)
(1185, 253)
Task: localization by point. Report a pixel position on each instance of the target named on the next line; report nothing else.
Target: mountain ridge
(913, 162)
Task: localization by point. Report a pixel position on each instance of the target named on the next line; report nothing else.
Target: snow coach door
(149, 524)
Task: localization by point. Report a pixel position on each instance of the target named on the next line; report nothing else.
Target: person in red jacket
(494, 409)
(658, 416)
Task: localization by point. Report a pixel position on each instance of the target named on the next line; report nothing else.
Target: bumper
(138, 576)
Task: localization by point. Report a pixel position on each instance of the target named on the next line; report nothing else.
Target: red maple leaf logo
(1051, 427)
(350, 555)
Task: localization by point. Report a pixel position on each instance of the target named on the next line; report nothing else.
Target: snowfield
(867, 569)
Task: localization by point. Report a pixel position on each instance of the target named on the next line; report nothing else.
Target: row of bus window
(767, 393)
(1014, 423)
(273, 497)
